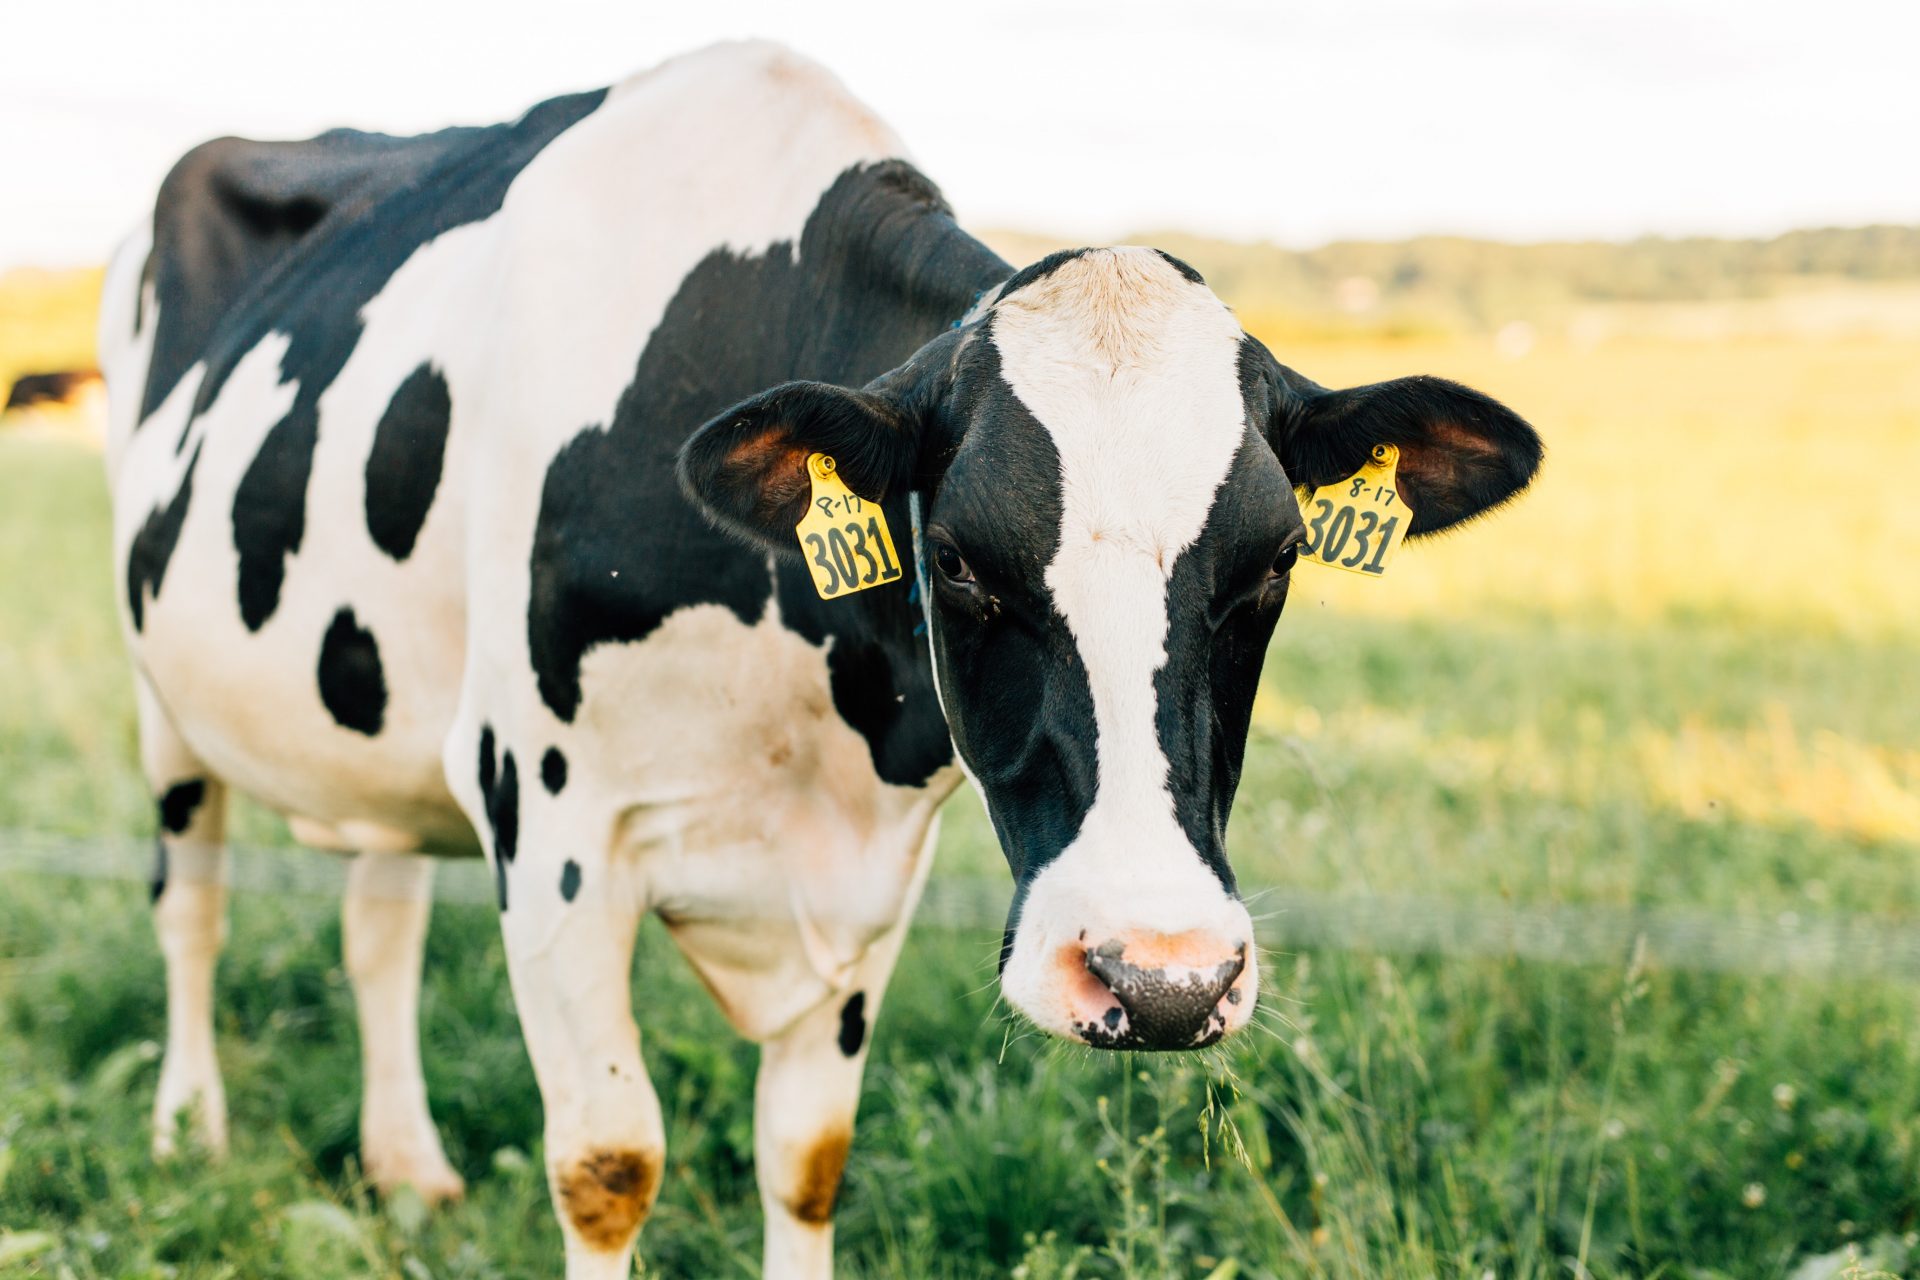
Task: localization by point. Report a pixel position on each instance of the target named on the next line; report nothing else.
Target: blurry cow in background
(65, 401)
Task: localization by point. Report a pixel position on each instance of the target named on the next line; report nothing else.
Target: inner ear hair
(772, 468)
(747, 468)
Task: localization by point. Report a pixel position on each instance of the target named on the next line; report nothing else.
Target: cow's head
(1107, 464)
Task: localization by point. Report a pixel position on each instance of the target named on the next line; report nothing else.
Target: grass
(1681, 673)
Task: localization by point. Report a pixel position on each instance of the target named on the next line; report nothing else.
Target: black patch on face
(879, 271)
(500, 799)
(1018, 702)
(157, 883)
(403, 467)
(1221, 612)
(296, 238)
(570, 880)
(153, 546)
(1181, 267)
(352, 685)
(853, 1023)
(1038, 271)
(553, 771)
(178, 805)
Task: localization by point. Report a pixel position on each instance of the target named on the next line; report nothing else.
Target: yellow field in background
(1770, 479)
(1751, 457)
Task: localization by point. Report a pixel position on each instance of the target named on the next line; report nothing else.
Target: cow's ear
(1461, 452)
(747, 468)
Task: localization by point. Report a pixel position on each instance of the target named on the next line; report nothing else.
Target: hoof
(431, 1178)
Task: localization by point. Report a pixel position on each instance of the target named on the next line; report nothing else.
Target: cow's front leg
(383, 928)
(804, 1103)
(606, 1145)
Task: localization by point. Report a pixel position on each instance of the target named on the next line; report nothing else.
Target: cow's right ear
(747, 469)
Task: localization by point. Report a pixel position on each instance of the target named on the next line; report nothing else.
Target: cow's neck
(888, 271)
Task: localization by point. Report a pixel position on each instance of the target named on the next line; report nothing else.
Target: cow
(61, 387)
(456, 481)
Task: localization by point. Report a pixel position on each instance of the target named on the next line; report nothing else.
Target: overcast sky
(1293, 121)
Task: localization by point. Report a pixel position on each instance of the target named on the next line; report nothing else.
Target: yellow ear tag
(1357, 524)
(844, 537)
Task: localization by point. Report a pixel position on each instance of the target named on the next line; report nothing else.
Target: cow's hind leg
(190, 918)
(383, 926)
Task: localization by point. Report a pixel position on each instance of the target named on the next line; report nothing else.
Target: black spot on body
(153, 546)
(270, 513)
(553, 771)
(404, 465)
(489, 767)
(500, 801)
(853, 1023)
(157, 884)
(179, 803)
(503, 815)
(570, 880)
(352, 685)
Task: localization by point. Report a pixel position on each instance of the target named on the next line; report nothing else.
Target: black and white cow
(420, 537)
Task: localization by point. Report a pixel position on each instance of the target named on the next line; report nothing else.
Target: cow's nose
(1165, 999)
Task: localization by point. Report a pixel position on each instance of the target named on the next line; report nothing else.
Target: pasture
(1681, 673)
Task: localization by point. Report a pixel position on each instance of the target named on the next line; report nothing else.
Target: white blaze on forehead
(1133, 371)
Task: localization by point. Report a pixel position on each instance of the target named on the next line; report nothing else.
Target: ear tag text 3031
(1356, 524)
(844, 537)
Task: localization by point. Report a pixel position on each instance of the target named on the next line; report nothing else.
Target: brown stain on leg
(607, 1193)
(820, 1172)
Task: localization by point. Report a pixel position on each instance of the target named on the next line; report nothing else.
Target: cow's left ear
(1461, 452)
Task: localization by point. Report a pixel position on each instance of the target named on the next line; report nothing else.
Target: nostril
(1104, 962)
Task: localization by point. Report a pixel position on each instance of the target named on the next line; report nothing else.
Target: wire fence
(1291, 919)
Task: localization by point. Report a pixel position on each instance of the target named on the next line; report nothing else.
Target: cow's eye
(952, 565)
(1284, 562)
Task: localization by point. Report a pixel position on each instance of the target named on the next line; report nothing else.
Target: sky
(1294, 121)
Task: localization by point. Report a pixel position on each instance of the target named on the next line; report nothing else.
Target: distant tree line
(1443, 283)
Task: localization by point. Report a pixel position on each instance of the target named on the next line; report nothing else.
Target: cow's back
(342, 371)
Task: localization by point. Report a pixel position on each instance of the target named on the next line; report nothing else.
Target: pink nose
(1159, 991)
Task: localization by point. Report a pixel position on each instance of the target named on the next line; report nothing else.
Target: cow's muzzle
(1158, 992)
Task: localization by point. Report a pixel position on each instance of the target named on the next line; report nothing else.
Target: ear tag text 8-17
(844, 537)
(1356, 524)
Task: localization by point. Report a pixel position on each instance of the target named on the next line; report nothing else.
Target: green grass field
(1681, 673)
